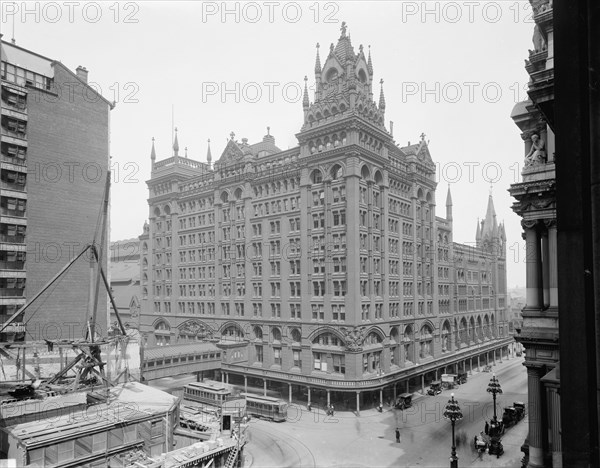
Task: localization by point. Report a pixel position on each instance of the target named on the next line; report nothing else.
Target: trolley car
(208, 393)
(265, 407)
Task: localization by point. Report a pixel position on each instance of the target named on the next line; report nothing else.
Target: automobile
(449, 381)
(462, 378)
(487, 368)
(435, 388)
(513, 414)
(404, 401)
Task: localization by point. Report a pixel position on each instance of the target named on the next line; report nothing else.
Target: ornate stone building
(536, 204)
(323, 265)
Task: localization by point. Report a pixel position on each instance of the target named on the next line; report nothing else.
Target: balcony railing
(12, 265)
(11, 292)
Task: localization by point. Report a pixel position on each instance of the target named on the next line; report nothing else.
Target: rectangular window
(259, 353)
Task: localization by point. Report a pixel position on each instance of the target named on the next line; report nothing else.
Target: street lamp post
(494, 388)
(453, 413)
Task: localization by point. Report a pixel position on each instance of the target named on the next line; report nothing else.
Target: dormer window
(362, 76)
(332, 75)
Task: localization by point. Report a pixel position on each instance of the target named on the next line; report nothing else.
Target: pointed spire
(478, 232)
(489, 227)
(318, 61)
(208, 155)
(370, 63)
(381, 97)
(449, 205)
(305, 101)
(175, 144)
(153, 152)
(343, 29)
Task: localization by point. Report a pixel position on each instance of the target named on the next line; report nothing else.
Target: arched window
(258, 334)
(296, 335)
(316, 176)
(327, 339)
(426, 342)
(276, 334)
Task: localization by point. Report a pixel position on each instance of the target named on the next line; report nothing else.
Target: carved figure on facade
(537, 153)
(354, 338)
(539, 43)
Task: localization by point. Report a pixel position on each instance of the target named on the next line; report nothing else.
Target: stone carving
(195, 329)
(539, 43)
(537, 153)
(354, 338)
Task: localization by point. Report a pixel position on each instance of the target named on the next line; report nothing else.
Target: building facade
(536, 204)
(54, 164)
(124, 271)
(325, 264)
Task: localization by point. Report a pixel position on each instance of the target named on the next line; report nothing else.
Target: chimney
(82, 73)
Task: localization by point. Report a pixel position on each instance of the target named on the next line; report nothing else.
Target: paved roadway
(314, 440)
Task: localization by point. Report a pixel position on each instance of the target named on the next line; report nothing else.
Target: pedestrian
(331, 410)
(487, 428)
(398, 435)
(309, 407)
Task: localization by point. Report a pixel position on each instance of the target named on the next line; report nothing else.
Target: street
(310, 439)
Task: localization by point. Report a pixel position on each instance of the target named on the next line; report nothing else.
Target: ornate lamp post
(453, 413)
(494, 388)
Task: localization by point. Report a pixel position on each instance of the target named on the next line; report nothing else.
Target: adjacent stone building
(324, 265)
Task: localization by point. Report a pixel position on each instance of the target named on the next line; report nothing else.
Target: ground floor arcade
(362, 394)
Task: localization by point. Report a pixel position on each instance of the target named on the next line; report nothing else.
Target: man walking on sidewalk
(397, 435)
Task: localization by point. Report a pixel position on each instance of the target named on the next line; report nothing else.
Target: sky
(450, 70)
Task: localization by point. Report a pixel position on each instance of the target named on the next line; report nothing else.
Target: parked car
(435, 388)
(462, 378)
(404, 401)
(513, 414)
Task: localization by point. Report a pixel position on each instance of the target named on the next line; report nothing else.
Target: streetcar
(208, 393)
(265, 407)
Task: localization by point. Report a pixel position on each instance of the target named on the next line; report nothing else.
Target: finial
(305, 101)
(318, 61)
(343, 28)
(491, 188)
(331, 47)
(268, 130)
(422, 136)
(153, 152)
(176, 144)
(208, 154)
(360, 47)
(381, 97)
(186, 151)
(232, 134)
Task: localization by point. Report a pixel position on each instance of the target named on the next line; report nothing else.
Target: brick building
(54, 160)
(325, 264)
